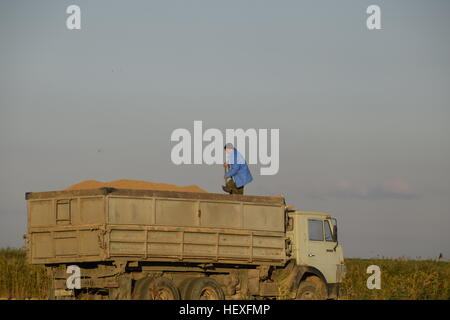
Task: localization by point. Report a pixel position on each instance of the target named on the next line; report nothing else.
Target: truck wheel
(183, 287)
(312, 288)
(204, 289)
(123, 291)
(158, 289)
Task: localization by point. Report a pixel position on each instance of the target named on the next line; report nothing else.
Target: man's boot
(227, 189)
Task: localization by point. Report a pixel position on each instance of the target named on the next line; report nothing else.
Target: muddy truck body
(140, 244)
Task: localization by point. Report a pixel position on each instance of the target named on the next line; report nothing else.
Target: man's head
(229, 147)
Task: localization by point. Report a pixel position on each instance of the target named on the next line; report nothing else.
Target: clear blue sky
(363, 115)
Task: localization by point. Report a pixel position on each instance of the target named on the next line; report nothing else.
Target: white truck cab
(315, 246)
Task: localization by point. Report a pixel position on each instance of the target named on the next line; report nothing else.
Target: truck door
(319, 249)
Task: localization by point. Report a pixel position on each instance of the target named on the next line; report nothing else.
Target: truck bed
(139, 225)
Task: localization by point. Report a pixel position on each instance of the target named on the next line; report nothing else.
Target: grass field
(400, 278)
(20, 280)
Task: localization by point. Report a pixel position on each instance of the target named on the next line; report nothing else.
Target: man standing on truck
(238, 173)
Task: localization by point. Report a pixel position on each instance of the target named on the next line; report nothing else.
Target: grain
(134, 185)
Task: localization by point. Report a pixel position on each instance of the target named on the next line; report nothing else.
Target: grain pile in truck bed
(133, 184)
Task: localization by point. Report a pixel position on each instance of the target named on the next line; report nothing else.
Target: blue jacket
(238, 169)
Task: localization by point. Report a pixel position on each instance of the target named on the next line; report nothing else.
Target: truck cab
(315, 247)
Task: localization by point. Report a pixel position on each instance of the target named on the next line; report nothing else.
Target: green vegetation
(400, 278)
(19, 279)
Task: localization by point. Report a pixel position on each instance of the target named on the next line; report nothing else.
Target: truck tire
(183, 286)
(203, 289)
(123, 291)
(156, 289)
(312, 288)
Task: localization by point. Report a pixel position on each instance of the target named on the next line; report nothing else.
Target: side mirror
(335, 235)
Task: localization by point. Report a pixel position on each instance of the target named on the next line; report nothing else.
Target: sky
(363, 115)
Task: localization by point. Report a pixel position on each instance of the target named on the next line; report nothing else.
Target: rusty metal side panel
(188, 244)
(176, 212)
(131, 211)
(174, 229)
(67, 244)
(221, 215)
(41, 213)
(82, 227)
(196, 213)
(66, 229)
(263, 217)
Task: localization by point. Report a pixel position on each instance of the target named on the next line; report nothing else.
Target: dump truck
(112, 243)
